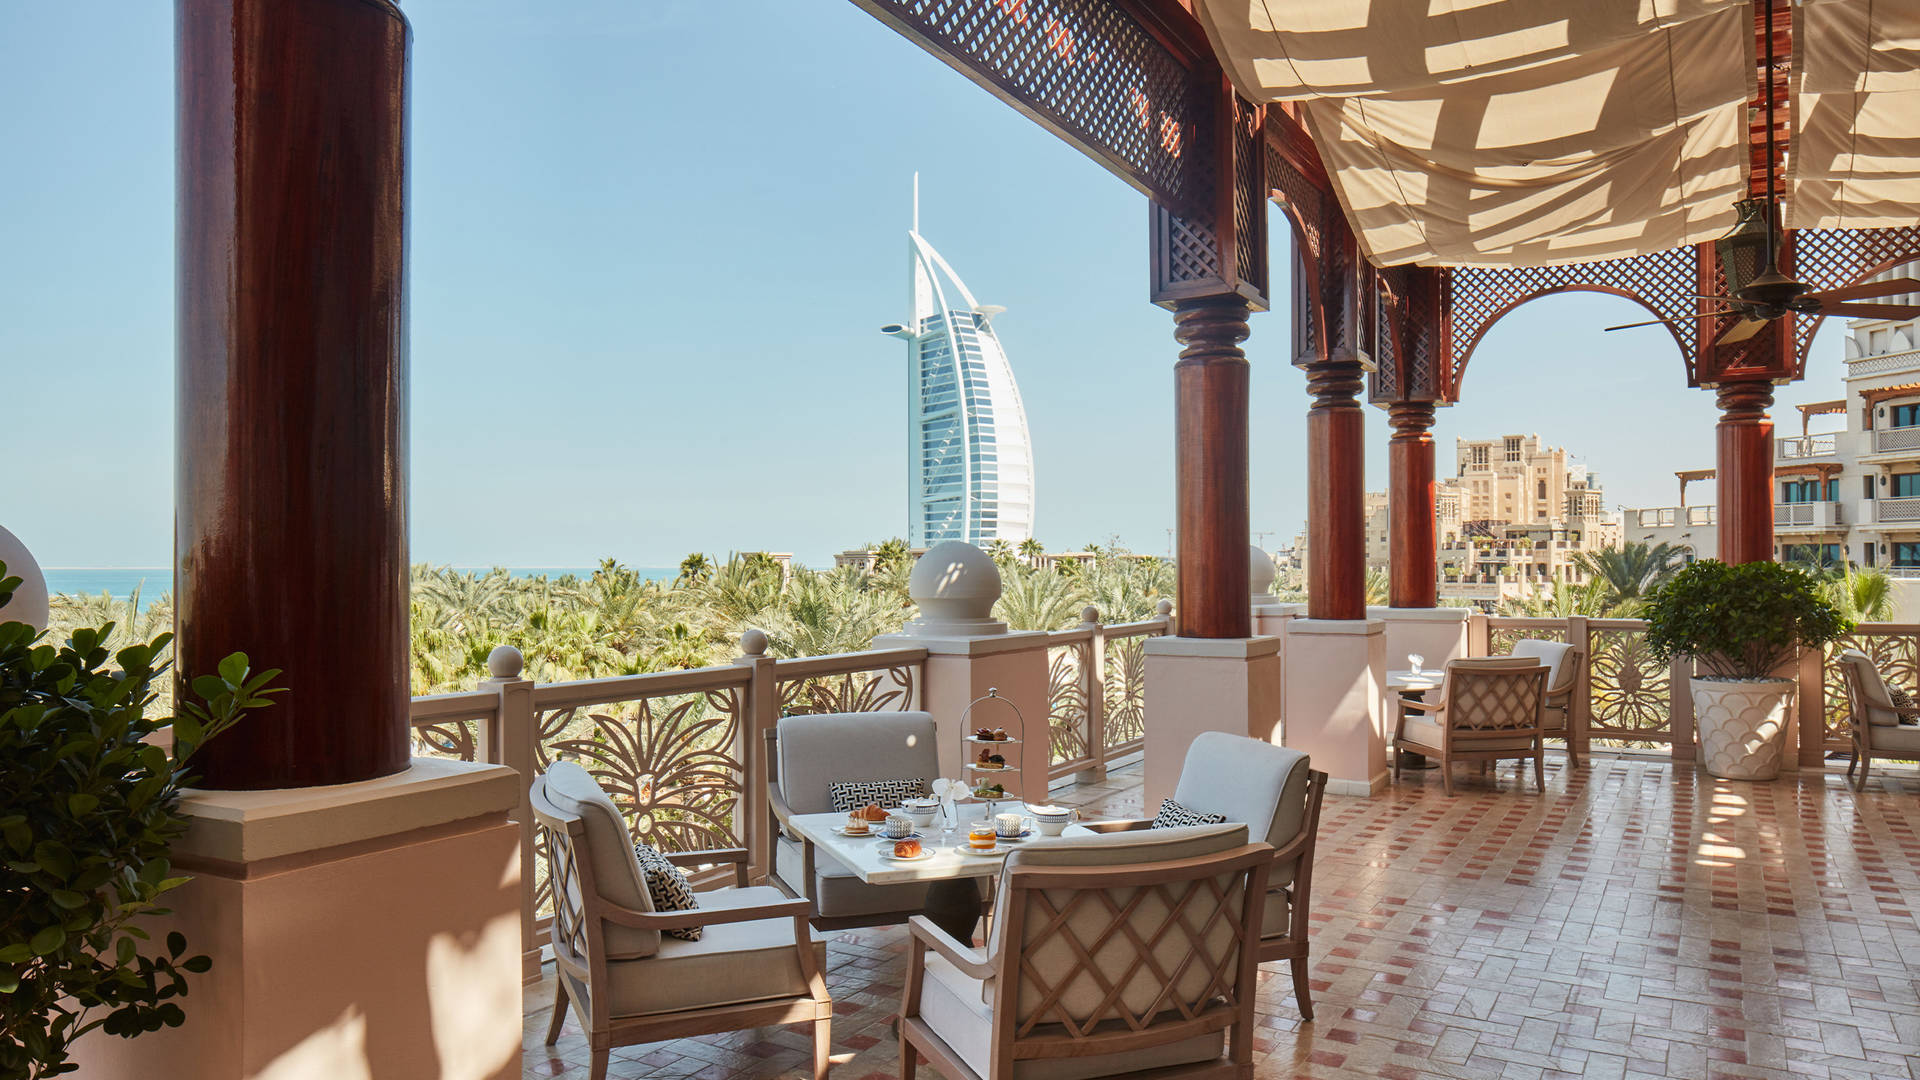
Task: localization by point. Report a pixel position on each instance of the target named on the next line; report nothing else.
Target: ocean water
(153, 581)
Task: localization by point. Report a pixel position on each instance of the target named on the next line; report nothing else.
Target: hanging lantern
(1743, 252)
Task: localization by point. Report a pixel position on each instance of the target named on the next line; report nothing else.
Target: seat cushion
(732, 962)
(1276, 919)
(1420, 730)
(838, 892)
(1894, 740)
(617, 877)
(817, 750)
(955, 1005)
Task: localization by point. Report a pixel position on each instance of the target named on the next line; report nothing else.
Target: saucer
(997, 849)
(885, 839)
(925, 854)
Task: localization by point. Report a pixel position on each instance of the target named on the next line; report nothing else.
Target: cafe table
(946, 869)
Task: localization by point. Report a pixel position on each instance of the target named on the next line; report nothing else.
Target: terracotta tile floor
(1641, 920)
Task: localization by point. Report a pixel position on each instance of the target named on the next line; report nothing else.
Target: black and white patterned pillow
(1173, 816)
(1901, 700)
(668, 886)
(851, 795)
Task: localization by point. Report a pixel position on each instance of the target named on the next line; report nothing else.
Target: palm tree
(1037, 600)
(1863, 595)
(1629, 572)
(695, 569)
(1032, 549)
(891, 553)
(1565, 599)
(1000, 551)
(1377, 587)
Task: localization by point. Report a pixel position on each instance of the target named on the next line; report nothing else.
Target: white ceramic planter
(1742, 725)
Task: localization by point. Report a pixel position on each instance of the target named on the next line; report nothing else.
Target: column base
(356, 931)
(1205, 684)
(959, 671)
(1333, 700)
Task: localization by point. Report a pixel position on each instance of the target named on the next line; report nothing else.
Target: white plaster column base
(356, 931)
(1333, 700)
(961, 669)
(1205, 684)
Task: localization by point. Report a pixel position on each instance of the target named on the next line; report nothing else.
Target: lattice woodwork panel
(1632, 692)
(1193, 250)
(1085, 68)
(1896, 655)
(1832, 258)
(1409, 364)
(1663, 281)
(1249, 196)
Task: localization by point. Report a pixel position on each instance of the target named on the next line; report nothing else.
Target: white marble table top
(861, 854)
(1407, 680)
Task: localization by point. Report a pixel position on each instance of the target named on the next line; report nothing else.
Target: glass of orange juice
(980, 836)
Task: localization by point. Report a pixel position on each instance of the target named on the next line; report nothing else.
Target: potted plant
(89, 806)
(1740, 625)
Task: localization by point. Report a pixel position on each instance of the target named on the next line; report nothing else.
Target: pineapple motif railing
(1096, 691)
(1626, 698)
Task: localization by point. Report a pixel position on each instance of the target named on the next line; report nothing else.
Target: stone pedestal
(961, 670)
(1205, 684)
(1333, 700)
(357, 931)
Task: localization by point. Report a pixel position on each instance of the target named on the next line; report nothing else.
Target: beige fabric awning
(1475, 133)
(1855, 162)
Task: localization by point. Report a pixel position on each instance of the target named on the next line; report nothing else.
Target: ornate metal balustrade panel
(672, 764)
(1632, 692)
(1125, 686)
(1897, 655)
(1067, 681)
(1100, 74)
(455, 739)
(881, 690)
(1500, 638)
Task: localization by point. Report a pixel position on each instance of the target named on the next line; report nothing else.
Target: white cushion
(732, 962)
(1426, 733)
(617, 877)
(1554, 654)
(1261, 785)
(955, 1006)
(1277, 918)
(1897, 739)
(1879, 705)
(816, 750)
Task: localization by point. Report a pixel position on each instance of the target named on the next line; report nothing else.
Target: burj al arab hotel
(970, 459)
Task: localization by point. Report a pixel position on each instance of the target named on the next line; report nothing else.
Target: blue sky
(651, 251)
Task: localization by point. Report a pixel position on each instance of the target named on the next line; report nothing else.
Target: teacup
(899, 824)
(921, 810)
(1051, 820)
(1009, 825)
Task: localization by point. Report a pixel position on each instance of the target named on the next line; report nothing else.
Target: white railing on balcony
(1884, 364)
(1817, 515)
(1904, 573)
(1895, 511)
(1892, 440)
(1666, 516)
(1811, 446)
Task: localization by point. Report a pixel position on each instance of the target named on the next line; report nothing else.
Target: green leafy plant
(89, 807)
(1740, 622)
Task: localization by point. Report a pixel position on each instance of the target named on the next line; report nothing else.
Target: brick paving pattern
(1639, 920)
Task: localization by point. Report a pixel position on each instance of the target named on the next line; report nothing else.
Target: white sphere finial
(753, 642)
(505, 662)
(1163, 609)
(29, 603)
(1260, 575)
(954, 585)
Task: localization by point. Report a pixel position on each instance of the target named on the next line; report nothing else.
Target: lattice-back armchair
(1489, 709)
(1109, 955)
(756, 963)
(1873, 720)
(1563, 663)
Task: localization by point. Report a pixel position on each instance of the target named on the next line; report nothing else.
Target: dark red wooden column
(1744, 477)
(1336, 493)
(291, 455)
(1413, 558)
(1210, 447)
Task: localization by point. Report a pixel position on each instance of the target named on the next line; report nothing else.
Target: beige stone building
(1510, 520)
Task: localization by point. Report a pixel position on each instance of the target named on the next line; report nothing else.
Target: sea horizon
(154, 582)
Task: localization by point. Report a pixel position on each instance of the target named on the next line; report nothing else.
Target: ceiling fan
(1770, 295)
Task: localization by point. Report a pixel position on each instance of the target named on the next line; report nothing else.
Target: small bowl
(1050, 828)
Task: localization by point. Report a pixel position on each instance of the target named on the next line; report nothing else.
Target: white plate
(925, 854)
(997, 849)
(873, 832)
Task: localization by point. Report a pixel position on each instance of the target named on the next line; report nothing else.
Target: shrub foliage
(1740, 622)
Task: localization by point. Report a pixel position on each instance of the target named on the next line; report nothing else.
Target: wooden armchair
(1873, 720)
(1276, 793)
(1563, 674)
(755, 965)
(1489, 709)
(1110, 955)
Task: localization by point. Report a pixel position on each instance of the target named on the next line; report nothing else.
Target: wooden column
(1336, 490)
(1745, 472)
(1413, 561)
(1210, 447)
(291, 453)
